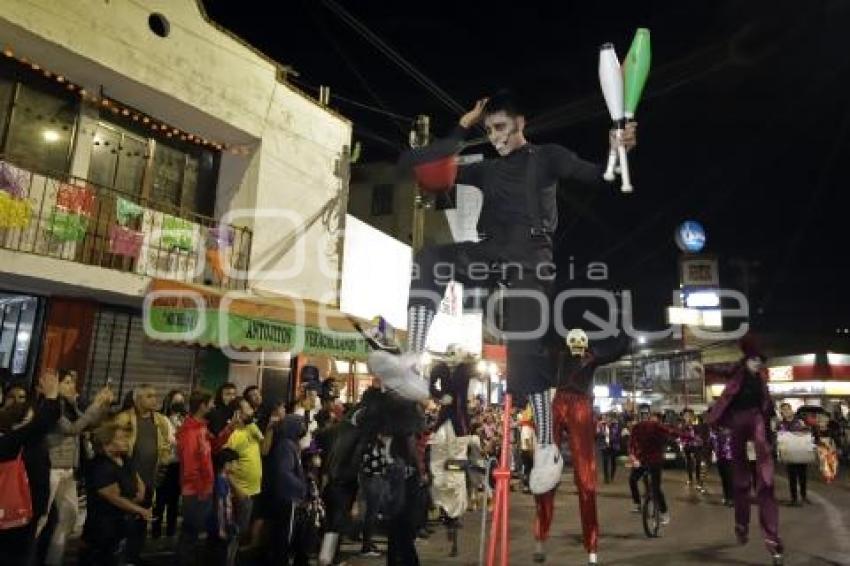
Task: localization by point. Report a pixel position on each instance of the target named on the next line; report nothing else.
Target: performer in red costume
(572, 410)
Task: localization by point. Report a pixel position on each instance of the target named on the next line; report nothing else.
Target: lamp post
(420, 136)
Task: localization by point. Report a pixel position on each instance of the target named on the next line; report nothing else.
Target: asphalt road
(700, 531)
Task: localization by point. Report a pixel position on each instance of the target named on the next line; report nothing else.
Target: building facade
(141, 142)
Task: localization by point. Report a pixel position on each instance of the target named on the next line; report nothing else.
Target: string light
(117, 108)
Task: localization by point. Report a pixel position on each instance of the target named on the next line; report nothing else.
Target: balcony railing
(70, 218)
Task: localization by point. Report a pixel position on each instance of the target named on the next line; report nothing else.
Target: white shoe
(591, 558)
(546, 473)
(665, 518)
(400, 375)
(539, 553)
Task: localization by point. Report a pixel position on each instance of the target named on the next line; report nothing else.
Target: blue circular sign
(690, 236)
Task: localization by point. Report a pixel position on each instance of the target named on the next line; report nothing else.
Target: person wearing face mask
(246, 440)
(168, 485)
(517, 221)
(746, 408)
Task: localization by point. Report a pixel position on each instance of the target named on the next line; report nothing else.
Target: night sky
(744, 126)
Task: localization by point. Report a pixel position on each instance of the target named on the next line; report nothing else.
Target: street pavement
(701, 530)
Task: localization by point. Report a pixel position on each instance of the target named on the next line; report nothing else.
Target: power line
(304, 84)
(356, 72)
(394, 56)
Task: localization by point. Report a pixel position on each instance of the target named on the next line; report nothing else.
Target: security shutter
(121, 351)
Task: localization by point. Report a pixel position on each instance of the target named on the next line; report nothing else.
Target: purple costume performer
(746, 408)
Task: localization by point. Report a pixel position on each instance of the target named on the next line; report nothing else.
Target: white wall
(205, 81)
(295, 228)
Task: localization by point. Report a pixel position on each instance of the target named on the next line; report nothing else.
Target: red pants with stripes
(574, 412)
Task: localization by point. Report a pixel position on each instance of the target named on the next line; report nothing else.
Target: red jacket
(195, 454)
(648, 440)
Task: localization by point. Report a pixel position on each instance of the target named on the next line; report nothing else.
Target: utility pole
(420, 136)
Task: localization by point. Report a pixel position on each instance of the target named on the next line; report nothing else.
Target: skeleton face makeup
(577, 341)
(754, 365)
(504, 132)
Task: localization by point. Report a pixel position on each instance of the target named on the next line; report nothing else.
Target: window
(177, 174)
(132, 160)
(41, 129)
(168, 167)
(190, 183)
(7, 92)
(159, 25)
(382, 200)
(104, 156)
(118, 159)
(17, 322)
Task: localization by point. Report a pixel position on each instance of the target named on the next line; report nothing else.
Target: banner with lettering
(211, 327)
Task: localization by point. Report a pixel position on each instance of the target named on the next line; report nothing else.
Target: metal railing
(66, 217)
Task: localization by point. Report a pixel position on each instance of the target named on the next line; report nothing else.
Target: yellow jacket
(163, 428)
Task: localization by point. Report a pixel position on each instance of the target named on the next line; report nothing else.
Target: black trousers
(654, 484)
(285, 541)
(339, 497)
(401, 530)
(693, 462)
(724, 467)
(137, 530)
(17, 544)
(609, 464)
(370, 514)
(167, 502)
(527, 458)
(797, 478)
(528, 268)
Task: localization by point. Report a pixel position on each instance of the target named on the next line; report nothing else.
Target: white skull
(577, 341)
(455, 353)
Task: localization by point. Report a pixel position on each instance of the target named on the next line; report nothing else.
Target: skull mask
(577, 342)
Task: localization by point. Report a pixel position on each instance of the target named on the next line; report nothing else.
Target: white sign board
(375, 274)
(451, 327)
(463, 219)
(781, 373)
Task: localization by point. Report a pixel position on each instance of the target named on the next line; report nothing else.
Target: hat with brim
(750, 347)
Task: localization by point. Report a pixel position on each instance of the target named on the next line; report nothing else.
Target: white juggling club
(611, 81)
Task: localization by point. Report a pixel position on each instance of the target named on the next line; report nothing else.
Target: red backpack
(15, 500)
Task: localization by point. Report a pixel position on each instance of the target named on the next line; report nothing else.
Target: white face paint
(577, 341)
(504, 132)
(754, 365)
